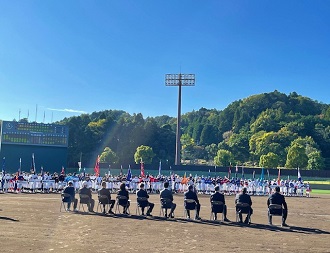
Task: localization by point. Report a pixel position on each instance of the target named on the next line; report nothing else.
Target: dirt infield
(34, 223)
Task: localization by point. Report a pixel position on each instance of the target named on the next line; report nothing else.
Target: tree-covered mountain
(270, 129)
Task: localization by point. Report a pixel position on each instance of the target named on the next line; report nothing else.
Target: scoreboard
(24, 133)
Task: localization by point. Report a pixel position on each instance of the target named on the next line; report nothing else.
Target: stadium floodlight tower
(179, 80)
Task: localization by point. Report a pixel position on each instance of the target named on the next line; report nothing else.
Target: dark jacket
(125, 193)
(70, 190)
(166, 194)
(142, 194)
(217, 196)
(105, 192)
(86, 191)
(191, 195)
(277, 198)
(244, 198)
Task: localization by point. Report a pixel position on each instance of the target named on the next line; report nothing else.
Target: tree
(187, 147)
(209, 135)
(296, 157)
(223, 158)
(108, 156)
(211, 151)
(144, 153)
(270, 160)
(315, 161)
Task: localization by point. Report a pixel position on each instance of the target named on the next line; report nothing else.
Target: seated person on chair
(244, 198)
(106, 192)
(278, 199)
(86, 191)
(217, 196)
(190, 194)
(70, 190)
(142, 193)
(123, 202)
(167, 194)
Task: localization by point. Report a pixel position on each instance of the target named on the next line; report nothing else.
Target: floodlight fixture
(179, 80)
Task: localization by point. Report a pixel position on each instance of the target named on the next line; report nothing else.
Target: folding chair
(103, 200)
(141, 202)
(165, 204)
(217, 205)
(243, 208)
(189, 205)
(122, 201)
(84, 200)
(66, 198)
(275, 210)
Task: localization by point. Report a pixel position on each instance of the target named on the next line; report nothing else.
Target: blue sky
(70, 57)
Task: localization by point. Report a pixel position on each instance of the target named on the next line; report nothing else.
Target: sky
(63, 58)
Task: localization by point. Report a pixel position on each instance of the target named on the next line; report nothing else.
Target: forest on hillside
(267, 130)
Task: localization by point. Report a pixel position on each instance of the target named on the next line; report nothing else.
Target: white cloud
(66, 110)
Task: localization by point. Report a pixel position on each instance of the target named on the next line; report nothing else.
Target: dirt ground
(34, 223)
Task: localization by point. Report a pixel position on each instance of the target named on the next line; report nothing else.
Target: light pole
(179, 80)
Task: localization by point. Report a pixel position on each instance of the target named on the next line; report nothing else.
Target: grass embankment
(318, 191)
(319, 182)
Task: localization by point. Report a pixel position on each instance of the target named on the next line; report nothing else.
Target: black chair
(243, 208)
(165, 204)
(189, 205)
(84, 200)
(103, 201)
(275, 210)
(66, 198)
(124, 202)
(141, 203)
(217, 207)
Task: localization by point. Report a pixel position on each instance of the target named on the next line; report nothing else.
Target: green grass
(317, 191)
(319, 182)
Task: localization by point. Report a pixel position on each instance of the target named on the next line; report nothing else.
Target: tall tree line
(270, 129)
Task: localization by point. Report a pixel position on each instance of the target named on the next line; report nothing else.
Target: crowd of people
(46, 182)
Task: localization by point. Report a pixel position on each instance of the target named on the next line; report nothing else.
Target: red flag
(279, 177)
(97, 166)
(142, 169)
(62, 171)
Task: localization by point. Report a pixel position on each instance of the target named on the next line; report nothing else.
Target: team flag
(254, 174)
(299, 176)
(109, 172)
(236, 171)
(79, 166)
(63, 170)
(3, 166)
(142, 169)
(268, 173)
(242, 172)
(262, 174)
(160, 168)
(279, 177)
(42, 171)
(229, 171)
(20, 166)
(33, 165)
(121, 170)
(3, 172)
(184, 179)
(129, 174)
(97, 166)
